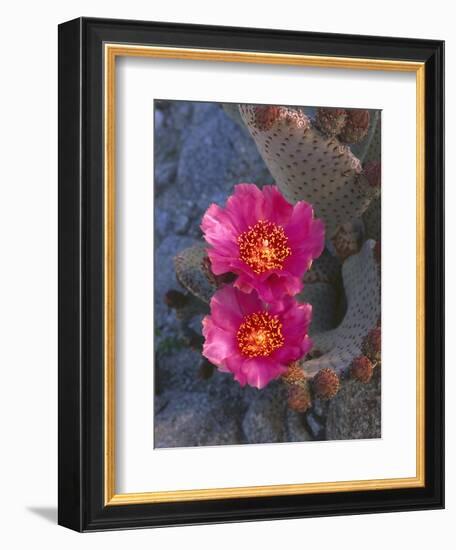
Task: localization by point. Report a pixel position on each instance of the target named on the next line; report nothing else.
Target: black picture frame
(81, 472)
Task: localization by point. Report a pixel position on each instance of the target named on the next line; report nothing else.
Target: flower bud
(373, 173)
(356, 126)
(326, 383)
(294, 374)
(330, 120)
(299, 398)
(362, 369)
(373, 344)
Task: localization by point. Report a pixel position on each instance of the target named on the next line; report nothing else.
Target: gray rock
(181, 114)
(171, 122)
(296, 430)
(159, 118)
(216, 155)
(174, 215)
(232, 110)
(264, 421)
(162, 223)
(355, 412)
(165, 174)
(179, 369)
(181, 223)
(202, 112)
(319, 407)
(314, 426)
(160, 402)
(195, 419)
(166, 145)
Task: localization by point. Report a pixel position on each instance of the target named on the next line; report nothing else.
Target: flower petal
(218, 344)
(275, 208)
(245, 208)
(261, 371)
(229, 309)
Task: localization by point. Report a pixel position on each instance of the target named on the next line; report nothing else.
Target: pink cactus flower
(252, 340)
(268, 243)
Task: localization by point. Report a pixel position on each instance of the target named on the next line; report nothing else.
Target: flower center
(260, 334)
(264, 246)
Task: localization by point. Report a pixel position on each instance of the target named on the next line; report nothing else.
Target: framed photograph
(251, 312)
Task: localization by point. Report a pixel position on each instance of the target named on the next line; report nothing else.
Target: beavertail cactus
(322, 287)
(340, 346)
(308, 164)
(369, 149)
(193, 271)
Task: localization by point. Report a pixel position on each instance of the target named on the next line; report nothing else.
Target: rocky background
(200, 154)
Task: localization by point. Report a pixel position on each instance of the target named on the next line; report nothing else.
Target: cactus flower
(267, 242)
(252, 340)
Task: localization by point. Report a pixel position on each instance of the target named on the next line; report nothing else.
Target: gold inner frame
(111, 52)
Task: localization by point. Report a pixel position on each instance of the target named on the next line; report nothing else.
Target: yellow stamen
(264, 246)
(260, 335)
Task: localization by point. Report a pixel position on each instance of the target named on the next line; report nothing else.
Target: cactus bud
(299, 398)
(346, 241)
(326, 383)
(175, 299)
(265, 116)
(295, 118)
(362, 369)
(356, 126)
(330, 120)
(294, 374)
(373, 173)
(373, 344)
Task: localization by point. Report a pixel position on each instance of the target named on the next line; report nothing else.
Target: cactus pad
(309, 165)
(340, 346)
(192, 272)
